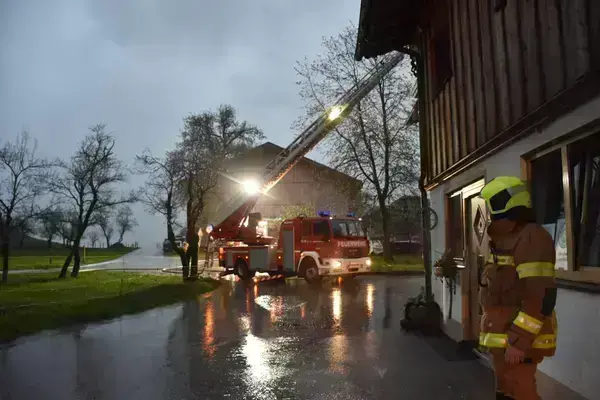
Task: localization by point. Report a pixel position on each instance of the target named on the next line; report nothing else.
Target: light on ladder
(251, 187)
(335, 112)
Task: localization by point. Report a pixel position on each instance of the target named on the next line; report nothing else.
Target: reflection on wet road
(274, 340)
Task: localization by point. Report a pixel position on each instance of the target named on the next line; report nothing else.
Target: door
(477, 252)
(289, 263)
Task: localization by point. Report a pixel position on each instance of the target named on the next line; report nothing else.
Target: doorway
(466, 233)
(478, 250)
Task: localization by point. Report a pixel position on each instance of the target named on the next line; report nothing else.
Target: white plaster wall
(438, 246)
(577, 361)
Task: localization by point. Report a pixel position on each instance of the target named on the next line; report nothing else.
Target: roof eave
(401, 15)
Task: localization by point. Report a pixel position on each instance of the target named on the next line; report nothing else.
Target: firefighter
(517, 290)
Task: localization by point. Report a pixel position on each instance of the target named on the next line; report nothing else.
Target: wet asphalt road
(274, 340)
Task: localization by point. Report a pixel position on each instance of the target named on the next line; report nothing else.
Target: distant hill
(18, 240)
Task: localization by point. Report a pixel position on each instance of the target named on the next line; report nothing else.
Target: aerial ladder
(232, 226)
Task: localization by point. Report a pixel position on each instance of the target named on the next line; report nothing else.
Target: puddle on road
(279, 304)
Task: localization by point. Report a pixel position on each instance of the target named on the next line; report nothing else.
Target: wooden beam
(575, 40)
(477, 65)
(435, 166)
(532, 76)
(459, 75)
(565, 101)
(514, 56)
(593, 32)
(552, 48)
(487, 65)
(441, 128)
(501, 70)
(468, 65)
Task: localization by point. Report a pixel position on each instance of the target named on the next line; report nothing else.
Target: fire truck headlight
(368, 262)
(336, 264)
(251, 186)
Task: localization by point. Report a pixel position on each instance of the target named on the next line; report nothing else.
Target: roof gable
(270, 147)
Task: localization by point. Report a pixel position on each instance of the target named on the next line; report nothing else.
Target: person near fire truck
(517, 290)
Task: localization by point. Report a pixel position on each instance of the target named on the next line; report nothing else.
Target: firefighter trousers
(516, 381)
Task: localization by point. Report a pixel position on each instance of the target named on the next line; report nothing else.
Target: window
(306, 225)
(547, 185)
(565, 192)
(584, 172)
(441, 59)
(547, 198)
(455, 240)
(347, 228)
(321, 228)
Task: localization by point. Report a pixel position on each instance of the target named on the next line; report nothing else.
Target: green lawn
(44, 258)
(31, 303)
(400, 263)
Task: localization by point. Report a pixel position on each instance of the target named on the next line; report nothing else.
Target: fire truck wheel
(309, 270)
(242, 271)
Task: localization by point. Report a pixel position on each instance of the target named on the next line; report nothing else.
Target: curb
(88, 267)
(177, 270)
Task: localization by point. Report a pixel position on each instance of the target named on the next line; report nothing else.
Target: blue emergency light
(324, 213)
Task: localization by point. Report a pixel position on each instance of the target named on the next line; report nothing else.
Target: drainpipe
(419, 71)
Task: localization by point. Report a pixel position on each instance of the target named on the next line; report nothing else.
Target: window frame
(574, 273)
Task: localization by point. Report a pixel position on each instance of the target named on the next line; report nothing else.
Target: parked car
(376, 247)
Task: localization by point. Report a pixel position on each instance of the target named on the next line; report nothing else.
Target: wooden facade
(515, 65)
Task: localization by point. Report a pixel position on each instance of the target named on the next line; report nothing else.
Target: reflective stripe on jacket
(519, 291)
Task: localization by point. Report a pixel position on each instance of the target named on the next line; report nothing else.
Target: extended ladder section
(228, 227)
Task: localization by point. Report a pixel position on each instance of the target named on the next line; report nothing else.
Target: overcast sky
(141, 65)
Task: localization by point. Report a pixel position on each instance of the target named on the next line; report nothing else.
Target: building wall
(307, 184)
(509, 67)
(577, 361)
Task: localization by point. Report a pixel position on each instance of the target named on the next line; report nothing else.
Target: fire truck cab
(309, 247)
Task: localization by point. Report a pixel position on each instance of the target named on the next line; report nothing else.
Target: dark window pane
(584, 158)
(455, 230)
(306, 228)
(547, 190)
(321, 228)
(347, 228)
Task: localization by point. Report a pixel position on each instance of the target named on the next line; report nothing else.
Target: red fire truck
(311, 247)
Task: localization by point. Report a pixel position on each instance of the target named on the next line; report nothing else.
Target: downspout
(419, 71)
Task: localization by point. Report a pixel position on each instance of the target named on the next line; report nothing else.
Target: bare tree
(94, 237)
(125, 221)
(208, 140)
(50, 223)
(161, 194)
(67, 227)
(374, 144)
(87, 187)
(22, 181)
(104, 221)
(25, 226)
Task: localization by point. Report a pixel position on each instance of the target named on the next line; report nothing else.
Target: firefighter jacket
(518, 290)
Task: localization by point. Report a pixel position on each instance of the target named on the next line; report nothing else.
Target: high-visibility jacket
(518, 290)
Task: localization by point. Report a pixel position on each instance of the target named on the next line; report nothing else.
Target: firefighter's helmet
(504, 193)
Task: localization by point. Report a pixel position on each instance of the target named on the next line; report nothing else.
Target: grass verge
(400, 263)
(53, 258)
(34, 302)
